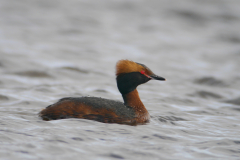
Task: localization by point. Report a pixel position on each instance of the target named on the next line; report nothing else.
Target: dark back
(101, 103)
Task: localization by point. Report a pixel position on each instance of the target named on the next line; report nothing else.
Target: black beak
(153, 76)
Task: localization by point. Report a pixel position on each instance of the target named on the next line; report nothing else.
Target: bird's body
(132, 111)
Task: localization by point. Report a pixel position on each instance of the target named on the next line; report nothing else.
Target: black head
(131, 74)
(129, 81)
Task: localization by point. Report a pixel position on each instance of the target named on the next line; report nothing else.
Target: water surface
(53, 49)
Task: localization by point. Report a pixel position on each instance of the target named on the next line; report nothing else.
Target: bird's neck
(133, 100)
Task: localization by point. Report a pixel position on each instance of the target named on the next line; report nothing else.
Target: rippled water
(50, 49)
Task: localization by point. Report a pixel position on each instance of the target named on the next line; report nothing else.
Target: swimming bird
(129, 75)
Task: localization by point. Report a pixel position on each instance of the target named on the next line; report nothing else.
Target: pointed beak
(153, 76)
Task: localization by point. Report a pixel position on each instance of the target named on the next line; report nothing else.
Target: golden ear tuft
(127, 66)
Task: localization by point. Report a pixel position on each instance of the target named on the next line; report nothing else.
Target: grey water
(51, 49)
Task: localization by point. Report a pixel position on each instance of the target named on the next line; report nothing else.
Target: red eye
(142, 72)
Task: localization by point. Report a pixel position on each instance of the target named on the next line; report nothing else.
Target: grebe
(129, 75)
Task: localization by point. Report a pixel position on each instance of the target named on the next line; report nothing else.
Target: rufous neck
(133, 100)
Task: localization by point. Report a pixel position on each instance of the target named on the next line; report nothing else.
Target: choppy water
(50, 49)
